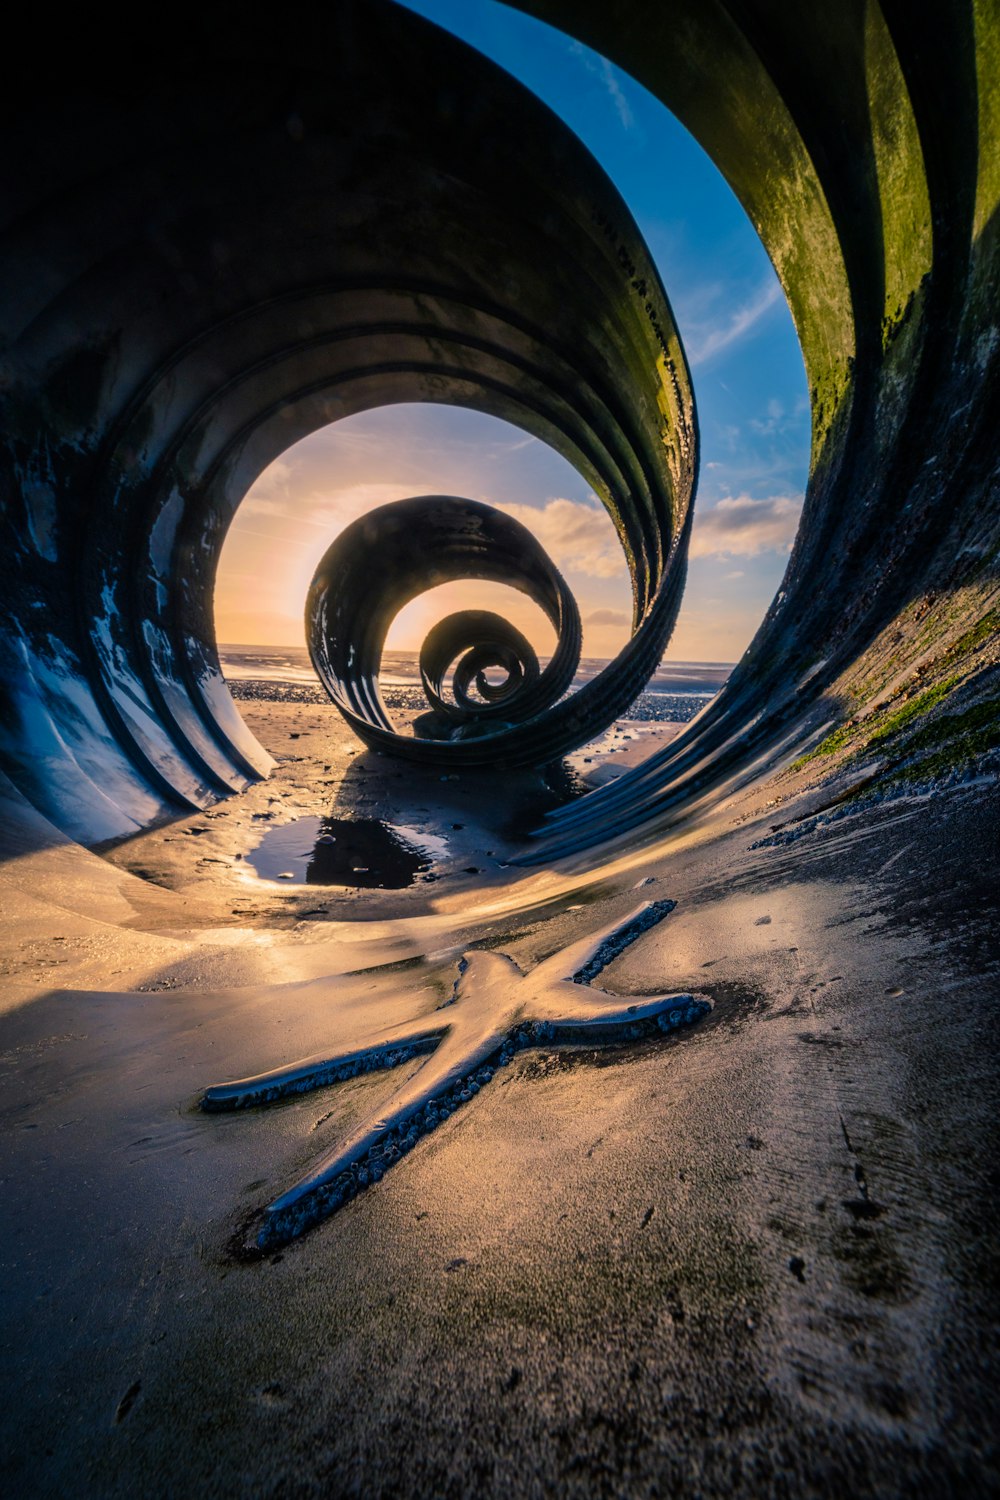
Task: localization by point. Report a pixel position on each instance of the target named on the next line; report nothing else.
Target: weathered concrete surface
(862, 140)
(289, 220)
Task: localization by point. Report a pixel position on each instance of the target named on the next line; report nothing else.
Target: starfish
(495, 1009)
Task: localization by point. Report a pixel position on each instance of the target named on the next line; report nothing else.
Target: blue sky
(749, 383)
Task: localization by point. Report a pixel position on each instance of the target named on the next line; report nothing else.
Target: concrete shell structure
(212, 272)
(863, 141)
(753, 1255)
(283, 225)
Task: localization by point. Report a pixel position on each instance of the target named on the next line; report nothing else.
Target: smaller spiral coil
(480, 674)
(471, 644)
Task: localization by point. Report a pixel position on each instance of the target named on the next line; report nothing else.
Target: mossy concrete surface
(861, 140)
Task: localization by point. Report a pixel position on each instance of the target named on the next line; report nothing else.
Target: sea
(677, 691)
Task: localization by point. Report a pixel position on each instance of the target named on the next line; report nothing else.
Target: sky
(749, 383)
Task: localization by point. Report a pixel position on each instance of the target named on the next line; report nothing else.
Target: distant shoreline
(283, 674)
(250, 669)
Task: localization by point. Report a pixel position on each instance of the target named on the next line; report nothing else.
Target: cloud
(774, 421)
(607, 617)
(755, 466)
(328, 509)
(779, 421)
(742, 527)
(501, 450)
(601, 68)
(614, 88)
(739, 323)
(579, 538)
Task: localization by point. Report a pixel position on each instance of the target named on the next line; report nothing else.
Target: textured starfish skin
(494, 1010)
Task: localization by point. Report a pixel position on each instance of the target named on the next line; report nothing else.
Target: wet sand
(322, 771)
(757, 1256)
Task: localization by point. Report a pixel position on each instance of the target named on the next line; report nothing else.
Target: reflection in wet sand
(345, 851)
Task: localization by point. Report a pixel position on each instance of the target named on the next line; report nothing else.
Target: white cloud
(503, 450)
(579, 538)
(614, 88)
(774, 422)
(608, 75)
(742, 527)
(326, 509)
(739, 323)
(607, 617)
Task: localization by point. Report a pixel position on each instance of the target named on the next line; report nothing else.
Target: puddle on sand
(345, 851)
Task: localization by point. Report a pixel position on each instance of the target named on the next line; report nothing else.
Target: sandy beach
(731, 1250)
(464, 833)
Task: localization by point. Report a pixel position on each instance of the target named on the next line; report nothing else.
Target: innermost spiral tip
(469, 645)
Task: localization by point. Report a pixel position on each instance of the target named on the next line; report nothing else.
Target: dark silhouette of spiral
(193, 299)
(469, 645)
(388, 557)
(360, 211)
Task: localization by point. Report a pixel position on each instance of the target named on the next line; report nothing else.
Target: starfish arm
(422, 1102)
(488, 1007)
(573, 1011)
(584, 960)
(493, 1009)
(402, 1043)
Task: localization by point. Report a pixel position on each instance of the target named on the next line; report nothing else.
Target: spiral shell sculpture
(471, 643)
(432, 233)
(388, 557)
(364, 211)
